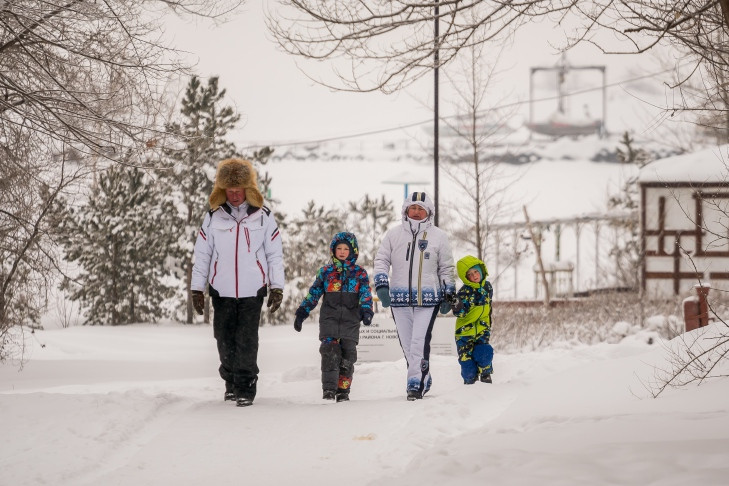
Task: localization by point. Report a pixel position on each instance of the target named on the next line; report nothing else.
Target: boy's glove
(198, 301)
(457, 305)
(274, 300)
(300, 316)
(383, 293)
(452, 298)
(366, 316)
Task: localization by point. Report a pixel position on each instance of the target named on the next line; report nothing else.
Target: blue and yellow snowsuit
(473, 323)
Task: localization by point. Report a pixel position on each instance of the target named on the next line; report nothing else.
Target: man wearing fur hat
(414, 273)
(238, 253)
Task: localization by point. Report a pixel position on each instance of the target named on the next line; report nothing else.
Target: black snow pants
(337, 363)
(235, 327)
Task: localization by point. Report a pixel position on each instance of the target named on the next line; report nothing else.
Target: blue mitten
(445, 307)
(383, 293)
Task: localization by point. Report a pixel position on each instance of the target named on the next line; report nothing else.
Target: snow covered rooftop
(708, 165)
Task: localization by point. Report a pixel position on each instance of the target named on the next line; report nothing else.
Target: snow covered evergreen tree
(203, 128)
(122, 241)
(306, 241)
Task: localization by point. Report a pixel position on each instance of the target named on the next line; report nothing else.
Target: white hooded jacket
(236, 257)
(420, 257)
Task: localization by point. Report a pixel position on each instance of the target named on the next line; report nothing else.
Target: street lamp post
(435, 114)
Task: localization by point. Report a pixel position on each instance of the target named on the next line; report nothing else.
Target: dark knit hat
(235, 173)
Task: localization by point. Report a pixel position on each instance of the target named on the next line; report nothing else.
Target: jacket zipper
(483, 309)
(237, 237)
(420, 273)
(411, 255)
(341, 295)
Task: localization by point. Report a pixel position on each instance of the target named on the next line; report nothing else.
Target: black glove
(274, 300)
(366, 317)
(383, 293)
(198, 301)
(452, 298)
(456, 306)
(300, 316)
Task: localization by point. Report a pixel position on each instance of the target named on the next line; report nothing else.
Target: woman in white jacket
(238, 253)
(414, 275)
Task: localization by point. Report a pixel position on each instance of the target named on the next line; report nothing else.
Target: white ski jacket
(420, 257)
(237, 258)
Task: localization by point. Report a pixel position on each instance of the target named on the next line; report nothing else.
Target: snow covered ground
(142, 404)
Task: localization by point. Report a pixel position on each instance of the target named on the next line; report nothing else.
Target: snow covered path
(143, 405)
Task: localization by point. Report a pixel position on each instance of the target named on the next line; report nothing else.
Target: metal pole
(603, 129)
(597, 252)
(515, 239)
(435, 114)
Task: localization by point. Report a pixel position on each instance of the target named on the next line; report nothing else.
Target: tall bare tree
(390, 43)
(475, 131)
(89, 73)
(80, 80)
(29, 187)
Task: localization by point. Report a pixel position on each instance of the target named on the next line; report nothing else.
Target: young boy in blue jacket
(345, 288)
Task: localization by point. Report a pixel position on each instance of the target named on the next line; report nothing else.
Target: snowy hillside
(564, 179)
(562, 173)
(142, 405)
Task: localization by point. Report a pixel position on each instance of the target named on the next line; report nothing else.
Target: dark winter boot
(469, 382)
(229, 392)
(414, 395)
(342, 395)
(486, 378)
(329, 395)
(244, 402)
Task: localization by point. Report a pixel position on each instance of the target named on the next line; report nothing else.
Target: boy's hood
(348, 238)
(467, 262)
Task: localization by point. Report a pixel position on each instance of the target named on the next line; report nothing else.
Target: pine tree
(203, 129)
(628, 251)
(305, 248)
(121, 240)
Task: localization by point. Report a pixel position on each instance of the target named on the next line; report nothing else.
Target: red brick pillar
(703, 292)
(696, 308)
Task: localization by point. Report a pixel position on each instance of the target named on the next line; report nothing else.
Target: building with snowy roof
(684, 222)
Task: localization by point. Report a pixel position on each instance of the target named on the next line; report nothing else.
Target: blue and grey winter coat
(345, 287)
(420, 257)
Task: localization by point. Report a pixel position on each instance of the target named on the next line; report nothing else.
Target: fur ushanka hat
(235, 173)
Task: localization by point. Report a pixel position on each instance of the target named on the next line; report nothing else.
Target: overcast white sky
(279, 103)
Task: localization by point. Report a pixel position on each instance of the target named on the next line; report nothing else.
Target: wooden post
(537, 241)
